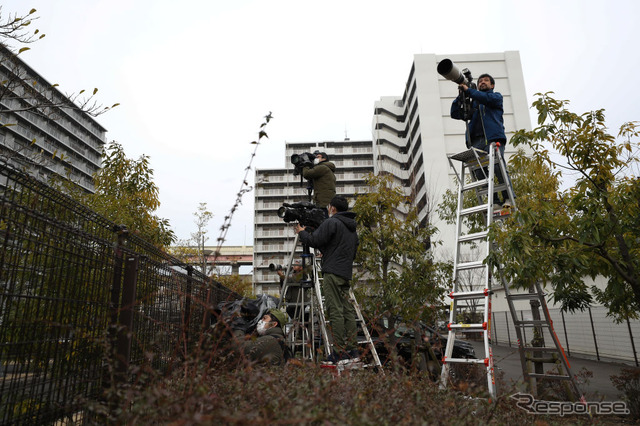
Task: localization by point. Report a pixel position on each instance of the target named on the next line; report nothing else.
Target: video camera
(305, 213)
(301, 161)
(450, 71)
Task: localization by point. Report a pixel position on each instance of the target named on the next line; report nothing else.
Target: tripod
(303, 301)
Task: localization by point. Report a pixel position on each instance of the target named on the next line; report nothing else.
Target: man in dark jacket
(324, 179)
(337, 239)
(487, 123)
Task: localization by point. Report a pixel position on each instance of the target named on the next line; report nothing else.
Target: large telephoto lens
(450, 71)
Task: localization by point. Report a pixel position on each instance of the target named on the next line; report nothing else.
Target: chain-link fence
(80, 298)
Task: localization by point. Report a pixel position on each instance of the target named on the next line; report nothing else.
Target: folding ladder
(309, 321)
(474, 290)
(471, 290)
(538, 343)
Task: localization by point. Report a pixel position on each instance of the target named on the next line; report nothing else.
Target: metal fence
(78, 292)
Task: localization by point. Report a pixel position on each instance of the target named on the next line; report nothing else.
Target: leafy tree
(590, 229)
(394, 257)
(202, 218)
(126, 194)
(236, 283)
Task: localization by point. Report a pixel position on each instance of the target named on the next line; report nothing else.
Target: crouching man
(269, 347)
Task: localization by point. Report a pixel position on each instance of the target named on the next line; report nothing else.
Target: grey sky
(195, 78)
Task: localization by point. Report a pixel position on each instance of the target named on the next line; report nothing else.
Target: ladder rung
(468, 328)
(551, 360)
(524, 296)
(475, 209)
(475, 236)
(475, 184)
(464, 361)
(540, 349)
(526, 323)
(466, 295)
(548, 376)
(470, 265)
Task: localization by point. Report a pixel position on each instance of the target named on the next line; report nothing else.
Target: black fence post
(633, 345)
(506, 317)
(595, 340)
(186, 314)
(495, 331)
(566, 336)
(114, 304)
(125, 320)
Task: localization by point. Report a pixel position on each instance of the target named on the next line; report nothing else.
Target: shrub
(629, 384)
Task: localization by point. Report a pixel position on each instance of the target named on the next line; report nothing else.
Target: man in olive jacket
(269, 347)
(337, 239)
(324, 179)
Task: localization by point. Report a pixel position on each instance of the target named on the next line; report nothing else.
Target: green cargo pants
(340, 312)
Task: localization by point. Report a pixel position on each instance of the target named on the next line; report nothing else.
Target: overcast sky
(195, 78)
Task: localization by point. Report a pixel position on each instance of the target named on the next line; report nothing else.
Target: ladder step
(470, 265)
(463, 361)
(466, 295)
(475, 184)
(549, 376)
(472, 237)
(468, 328)
(475, 209)
(524, 296)
(552, 360)
(496, 188)
(530, 323)
(540, 349)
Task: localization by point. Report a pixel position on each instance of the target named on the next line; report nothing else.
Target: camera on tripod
(305, 213)
(300, 161)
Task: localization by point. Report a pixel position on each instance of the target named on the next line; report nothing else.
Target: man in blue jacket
(337, 239)
(487, 123)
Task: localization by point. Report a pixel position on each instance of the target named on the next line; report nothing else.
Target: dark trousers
(484, 172)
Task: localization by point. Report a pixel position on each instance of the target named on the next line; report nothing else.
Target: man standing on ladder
(337, 239)
(486, 124)
(322, 174)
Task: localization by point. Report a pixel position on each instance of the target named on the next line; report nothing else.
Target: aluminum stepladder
(307, 331)
(471, 289)
(540, 328)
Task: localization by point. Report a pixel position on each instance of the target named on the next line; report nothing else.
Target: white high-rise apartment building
(37, 140)
(414, 133)
(273, 238)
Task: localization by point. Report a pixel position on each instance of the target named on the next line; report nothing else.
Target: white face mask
(316, 161)
(261, 328)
